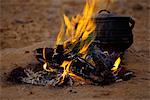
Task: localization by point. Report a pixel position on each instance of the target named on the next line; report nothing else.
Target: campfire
(78, 57)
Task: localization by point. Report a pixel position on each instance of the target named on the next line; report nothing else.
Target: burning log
(99, 73)
(43, 54)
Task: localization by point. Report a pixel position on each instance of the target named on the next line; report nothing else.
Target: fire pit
(83, 53)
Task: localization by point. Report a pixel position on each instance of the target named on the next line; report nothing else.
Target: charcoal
(16, 75)
(67, 81)
(125, 74)
(99, 60)
(58, 58)
(95, 67)
(54, 65)
(39, 55)
(82, 68)
(103, 60)
(60, 49)
(49, 52)
(100, 67)
(69, 56)
(108, 78)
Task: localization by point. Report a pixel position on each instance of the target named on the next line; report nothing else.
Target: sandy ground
(29, 24)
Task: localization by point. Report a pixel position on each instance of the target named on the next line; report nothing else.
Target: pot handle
(104, 11)
(132, 22)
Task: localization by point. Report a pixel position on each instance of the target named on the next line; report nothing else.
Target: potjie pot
(113, 32)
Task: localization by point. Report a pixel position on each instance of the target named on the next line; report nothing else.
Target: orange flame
(78, 29)
(116, 65)
(66, 66)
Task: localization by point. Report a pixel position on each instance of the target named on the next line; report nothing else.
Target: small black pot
(113, 32)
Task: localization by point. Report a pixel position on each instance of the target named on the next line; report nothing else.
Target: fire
(48, 68)
(77, 31)
(116, 65)
(79, 28)
(66, 67)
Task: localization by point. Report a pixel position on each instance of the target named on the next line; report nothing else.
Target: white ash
(43, 78)
(36, 78)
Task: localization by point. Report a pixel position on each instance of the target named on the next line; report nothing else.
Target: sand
(29, 24)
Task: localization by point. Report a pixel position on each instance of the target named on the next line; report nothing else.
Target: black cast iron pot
(113, 32)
